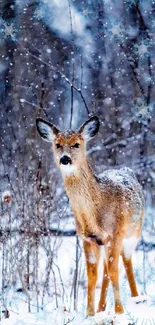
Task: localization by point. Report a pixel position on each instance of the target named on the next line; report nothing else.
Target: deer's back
(123, 195)
(123, 184)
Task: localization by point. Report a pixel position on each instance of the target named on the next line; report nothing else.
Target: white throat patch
(68, 170)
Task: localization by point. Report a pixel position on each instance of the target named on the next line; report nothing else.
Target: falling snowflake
(86, 12)
(116, 30)
(8, 30)
(39, 13)
(18, 2)
(142, 49)
(143, 109)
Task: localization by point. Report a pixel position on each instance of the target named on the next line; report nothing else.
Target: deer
(108, 210)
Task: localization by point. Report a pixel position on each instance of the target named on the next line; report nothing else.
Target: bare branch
(61, 73)
(41, 232)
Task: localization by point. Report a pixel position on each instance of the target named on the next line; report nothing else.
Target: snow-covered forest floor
(58, 309)
(140, 314)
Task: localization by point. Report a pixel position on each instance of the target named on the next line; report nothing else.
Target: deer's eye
(76, 145)
(58, 145)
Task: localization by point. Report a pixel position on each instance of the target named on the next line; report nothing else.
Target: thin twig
(61, 73)
(81, 60)
(73, 64)
(76, 273)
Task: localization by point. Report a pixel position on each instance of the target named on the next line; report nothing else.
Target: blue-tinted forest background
(64, 60)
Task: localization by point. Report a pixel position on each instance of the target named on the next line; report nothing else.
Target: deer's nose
(65, 160)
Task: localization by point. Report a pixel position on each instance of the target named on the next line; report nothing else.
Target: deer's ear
(46, 130)
(90, 128)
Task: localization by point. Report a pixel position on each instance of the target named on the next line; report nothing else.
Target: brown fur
(108, 211)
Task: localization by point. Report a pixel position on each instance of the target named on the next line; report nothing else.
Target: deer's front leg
(105, 284)
(92, 254)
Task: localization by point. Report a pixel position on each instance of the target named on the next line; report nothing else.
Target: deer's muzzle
(65, 160)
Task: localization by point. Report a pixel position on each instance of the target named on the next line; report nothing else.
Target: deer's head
(69, 146)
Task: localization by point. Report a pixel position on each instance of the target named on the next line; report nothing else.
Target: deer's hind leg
(92, 254)
(112, 254)
(130, 275)
(129, 246)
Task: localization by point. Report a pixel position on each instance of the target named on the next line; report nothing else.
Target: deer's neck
(85, 197)
(82, 180)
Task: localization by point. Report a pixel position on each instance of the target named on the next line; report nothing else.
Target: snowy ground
(140, 314)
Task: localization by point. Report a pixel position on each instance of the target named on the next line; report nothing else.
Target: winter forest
(64, 60)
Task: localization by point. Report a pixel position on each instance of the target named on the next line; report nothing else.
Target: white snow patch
(122, 319)
(5, 195)
(92, 258)
(108, 244)
(103, 253)
(141, 310)
(139, 314)
(111, 259)
(103, 318)
(129, 245)
(138, 299)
